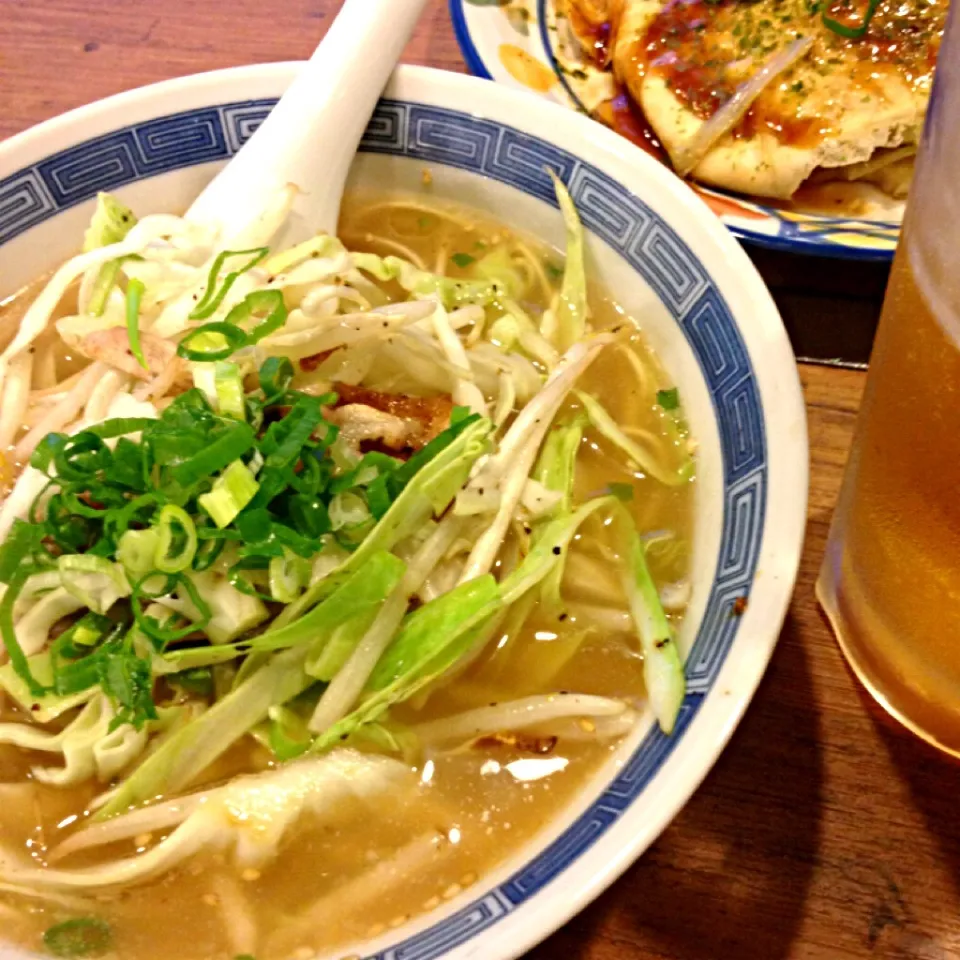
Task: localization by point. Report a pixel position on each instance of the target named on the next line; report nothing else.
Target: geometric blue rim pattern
(441, 136)
(790, 236)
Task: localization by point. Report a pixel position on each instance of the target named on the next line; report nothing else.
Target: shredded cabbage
(200, 550)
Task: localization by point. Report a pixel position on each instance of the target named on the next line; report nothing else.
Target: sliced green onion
(176, 543)
(407, 471)
(196, 680)
(255, 525)
(95, 581)
(258, 564)
(81, 937)
(212, 341)
(135, 290)
(378, 496)
(289, 574)
(139, 510)
(231, 492)
(170, 582)
(83, 455)
(275, 376)
(18, 659)
(136, 550)
(204, 379)
(213, 295)
(264, 305)
(46, 451)
(217, 341)
(79, 675)
(91, 500)
(87, 632)
(228, 385)
(669, 399)
(127, 680)
(364, 472)
(23, 539)
(282, 443)
(119, 427)
(130, 467)
(309, 514)
(211, 544)
(347, 510)
(300, 545)
(232, 444)
(845, 30)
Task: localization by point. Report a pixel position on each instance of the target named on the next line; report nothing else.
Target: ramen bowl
(657, 249)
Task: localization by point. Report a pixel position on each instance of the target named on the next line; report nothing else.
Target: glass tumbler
(890, 581)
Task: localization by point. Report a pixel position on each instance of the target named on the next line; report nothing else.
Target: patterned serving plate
(519, 43)
(663, 256)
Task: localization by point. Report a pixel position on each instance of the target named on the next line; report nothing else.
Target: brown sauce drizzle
(621, 114)
(594, 37)
(703, 50)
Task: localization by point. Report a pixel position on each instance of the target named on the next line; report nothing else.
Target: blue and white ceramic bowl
(662, 254)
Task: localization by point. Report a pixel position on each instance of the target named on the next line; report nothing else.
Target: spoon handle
(310, 137)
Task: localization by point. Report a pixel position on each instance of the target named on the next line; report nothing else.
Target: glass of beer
(890, 581)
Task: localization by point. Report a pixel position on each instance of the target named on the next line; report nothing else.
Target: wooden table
(824, 831)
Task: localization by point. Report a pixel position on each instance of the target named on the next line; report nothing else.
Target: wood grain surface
(824, 832)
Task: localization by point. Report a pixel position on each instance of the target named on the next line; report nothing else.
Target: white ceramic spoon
(310, 137)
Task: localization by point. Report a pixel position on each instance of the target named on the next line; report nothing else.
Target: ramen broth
(477, 804)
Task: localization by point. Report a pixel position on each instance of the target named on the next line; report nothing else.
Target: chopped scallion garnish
(844, 29)
(214, 294)
(212, 341)
(228, 385)
(231, 492)
(176, 541)
(81, 937)
(669, 399)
